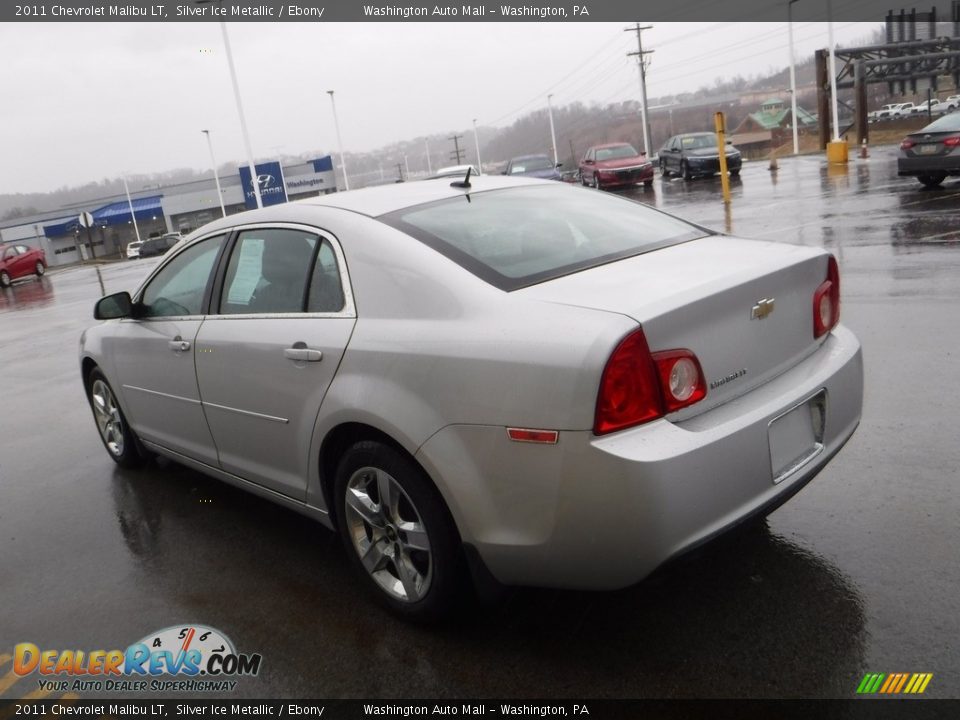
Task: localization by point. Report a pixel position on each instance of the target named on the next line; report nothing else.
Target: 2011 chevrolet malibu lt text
(523, 379)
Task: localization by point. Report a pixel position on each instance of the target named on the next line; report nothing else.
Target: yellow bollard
(721, 126)
(837, 152)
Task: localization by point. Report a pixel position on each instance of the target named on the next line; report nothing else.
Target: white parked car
(935, 108)
(546, 384)
(133, 249)
(951, 103)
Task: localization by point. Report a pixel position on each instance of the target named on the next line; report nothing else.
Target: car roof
(374, 201)
(530, 157)
(611, 145)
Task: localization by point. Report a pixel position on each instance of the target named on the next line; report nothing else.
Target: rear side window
(517, 237)
(279, 270)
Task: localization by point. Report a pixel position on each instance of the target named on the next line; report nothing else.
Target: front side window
(279, 270)
(179, 287)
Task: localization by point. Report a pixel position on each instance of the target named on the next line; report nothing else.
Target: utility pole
(457, 154)
(426, 145)
(553, 135)
(400, 171)
(642, 64)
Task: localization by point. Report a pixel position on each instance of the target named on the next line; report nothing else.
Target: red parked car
(19, 260)
(615, 165)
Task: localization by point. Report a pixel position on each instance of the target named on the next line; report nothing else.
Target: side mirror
(729, 142)
(111, 307)
(588, 162)
(559, 165)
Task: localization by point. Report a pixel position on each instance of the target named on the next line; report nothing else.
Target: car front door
(266, 358)
(673, 157)
(153, 354)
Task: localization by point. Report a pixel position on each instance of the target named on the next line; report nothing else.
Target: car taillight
(638, 386)
(826, 301)
(907, 144)
(681, 379)
(952, 141)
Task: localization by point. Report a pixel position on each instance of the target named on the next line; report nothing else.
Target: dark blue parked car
(538, 166)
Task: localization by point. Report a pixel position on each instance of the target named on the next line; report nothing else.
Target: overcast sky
(85, 101)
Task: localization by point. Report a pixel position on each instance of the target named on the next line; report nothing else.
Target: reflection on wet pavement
(857, 573)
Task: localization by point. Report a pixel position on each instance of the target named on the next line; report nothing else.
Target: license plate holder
(796, 436)
(928, 148)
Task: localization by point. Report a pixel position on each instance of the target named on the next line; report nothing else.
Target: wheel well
(336, 443)
(86, 366)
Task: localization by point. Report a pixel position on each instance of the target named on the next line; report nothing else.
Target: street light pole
(243, 120)
(793, 80)
(426, 146)
(133, 215)
(336, 124)
(833, 73)
(216, 177)
(553, 135)
(476, 140)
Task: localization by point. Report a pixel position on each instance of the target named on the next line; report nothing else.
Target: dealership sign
(270, 180)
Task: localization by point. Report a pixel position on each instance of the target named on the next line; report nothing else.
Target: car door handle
(302, 354)
(178, 344)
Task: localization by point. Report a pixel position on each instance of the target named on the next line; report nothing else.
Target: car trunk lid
(744, 308)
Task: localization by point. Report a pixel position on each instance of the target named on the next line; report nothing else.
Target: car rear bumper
(913, 166)
(604, 512)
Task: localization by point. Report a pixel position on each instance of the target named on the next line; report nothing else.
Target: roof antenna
(465, 183)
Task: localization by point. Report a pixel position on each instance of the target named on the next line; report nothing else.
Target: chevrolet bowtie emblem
(762, 309)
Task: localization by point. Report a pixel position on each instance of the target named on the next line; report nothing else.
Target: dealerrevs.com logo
(181, 658)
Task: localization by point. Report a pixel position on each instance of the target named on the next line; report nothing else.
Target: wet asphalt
(858, 573)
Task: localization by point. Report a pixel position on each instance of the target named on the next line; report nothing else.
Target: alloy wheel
(107, 414)
(388, 534)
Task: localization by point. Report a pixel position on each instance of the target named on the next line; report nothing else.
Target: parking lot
(856, 574)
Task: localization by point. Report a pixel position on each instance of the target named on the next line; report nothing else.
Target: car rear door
(153, 354)
(267, 356)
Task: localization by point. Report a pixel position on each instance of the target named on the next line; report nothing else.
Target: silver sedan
(512, 380)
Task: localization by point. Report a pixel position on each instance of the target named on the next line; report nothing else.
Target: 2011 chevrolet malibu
(497, 378)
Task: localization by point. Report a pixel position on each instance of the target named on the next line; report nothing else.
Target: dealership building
(174, 208)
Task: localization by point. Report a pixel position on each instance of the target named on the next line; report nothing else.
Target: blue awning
(117, 213)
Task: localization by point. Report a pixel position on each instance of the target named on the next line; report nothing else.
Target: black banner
(914, 709)
(415, 11)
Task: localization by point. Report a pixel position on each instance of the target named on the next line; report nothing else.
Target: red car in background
(615, 165)
(19, 260)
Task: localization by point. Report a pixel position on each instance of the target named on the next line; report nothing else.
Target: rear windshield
(947, 123)
(516, 237)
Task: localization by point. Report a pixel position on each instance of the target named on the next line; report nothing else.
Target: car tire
(407, 550)
(4, 279)
(648, 183)
(121, 443)
(932, 179)
(39, 269)
(685, 171)
(663, 169)
(735, 173)
(596, 182)
(583, 180)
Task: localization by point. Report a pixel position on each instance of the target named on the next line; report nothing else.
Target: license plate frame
(795, 436)
(928, 148)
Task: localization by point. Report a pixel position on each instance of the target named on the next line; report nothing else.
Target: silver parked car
(538, 383)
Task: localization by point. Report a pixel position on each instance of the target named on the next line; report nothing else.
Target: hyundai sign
(270, 180)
